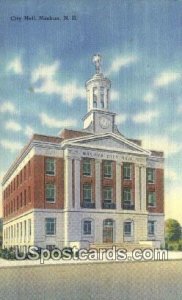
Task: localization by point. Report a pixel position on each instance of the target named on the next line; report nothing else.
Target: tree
(172, 230)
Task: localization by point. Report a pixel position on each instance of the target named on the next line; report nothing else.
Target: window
(86, 167)
(128, 228)
(151, 227)
(11, 232)
(107, 98)
(17, 181)
(87, 193)
(29, 228)
(21, 200)
(17, 228)
(50, 226)
(25, 173)
(107, 191)
(21, 230)
(107, 169)
(87, 227)
(152, 199)
(29, 194)
(94, 97)
(29, 168)
(50, 192)
(150, 175)
(25, 229)
(127, 195)
(14, 231)
(50, 166)
(102, 97)
(25, 197)
(21, 177)
(17, 202)
(127, 171)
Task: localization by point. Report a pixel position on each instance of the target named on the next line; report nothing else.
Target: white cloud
(8, 107)
(161, 143)
(49, 85)
(166, 78)
(12, 125)
(45, 71)
(28, 131)
(15, 66)
(121, 61)
(121, 118)
(56, 123)
(114, 95)
(16, 127)
(10, 145)
(149, 97)
(145, 117)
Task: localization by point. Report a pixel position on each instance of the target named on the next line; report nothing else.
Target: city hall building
(85, 187)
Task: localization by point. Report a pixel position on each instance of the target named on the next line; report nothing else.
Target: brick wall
(158, 188)
(41, 179)
(27, 189)
(18, 197)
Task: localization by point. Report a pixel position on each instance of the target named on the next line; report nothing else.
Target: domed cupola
(98, 88)
(98, 118)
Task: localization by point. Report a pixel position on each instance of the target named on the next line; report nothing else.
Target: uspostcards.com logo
(103, 254)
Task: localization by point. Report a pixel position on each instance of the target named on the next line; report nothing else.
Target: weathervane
(97, 62)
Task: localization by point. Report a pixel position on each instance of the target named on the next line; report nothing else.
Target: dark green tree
(172, 230)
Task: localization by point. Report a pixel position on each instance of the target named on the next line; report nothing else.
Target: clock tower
(98, 118)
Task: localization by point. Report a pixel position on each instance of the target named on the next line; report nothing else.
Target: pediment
(111, 142)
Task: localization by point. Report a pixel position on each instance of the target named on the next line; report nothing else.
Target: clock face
(104, 122)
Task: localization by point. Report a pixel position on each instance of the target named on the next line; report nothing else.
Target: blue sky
(44, 66)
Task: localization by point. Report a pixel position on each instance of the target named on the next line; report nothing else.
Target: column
(137, 187)
(118, 185)
(68, 183)
(77, 183)
(98, 187)
(143, 188)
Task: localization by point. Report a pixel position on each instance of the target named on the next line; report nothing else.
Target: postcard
(90, 149)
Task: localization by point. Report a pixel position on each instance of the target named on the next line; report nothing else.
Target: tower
(98, 118)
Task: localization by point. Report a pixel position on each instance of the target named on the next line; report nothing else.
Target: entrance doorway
(108, 226)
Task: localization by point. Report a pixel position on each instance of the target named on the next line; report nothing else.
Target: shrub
(7, 253)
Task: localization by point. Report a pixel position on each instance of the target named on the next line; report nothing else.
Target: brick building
(89, 186)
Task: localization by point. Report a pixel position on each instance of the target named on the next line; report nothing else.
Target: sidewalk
(172, 255)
